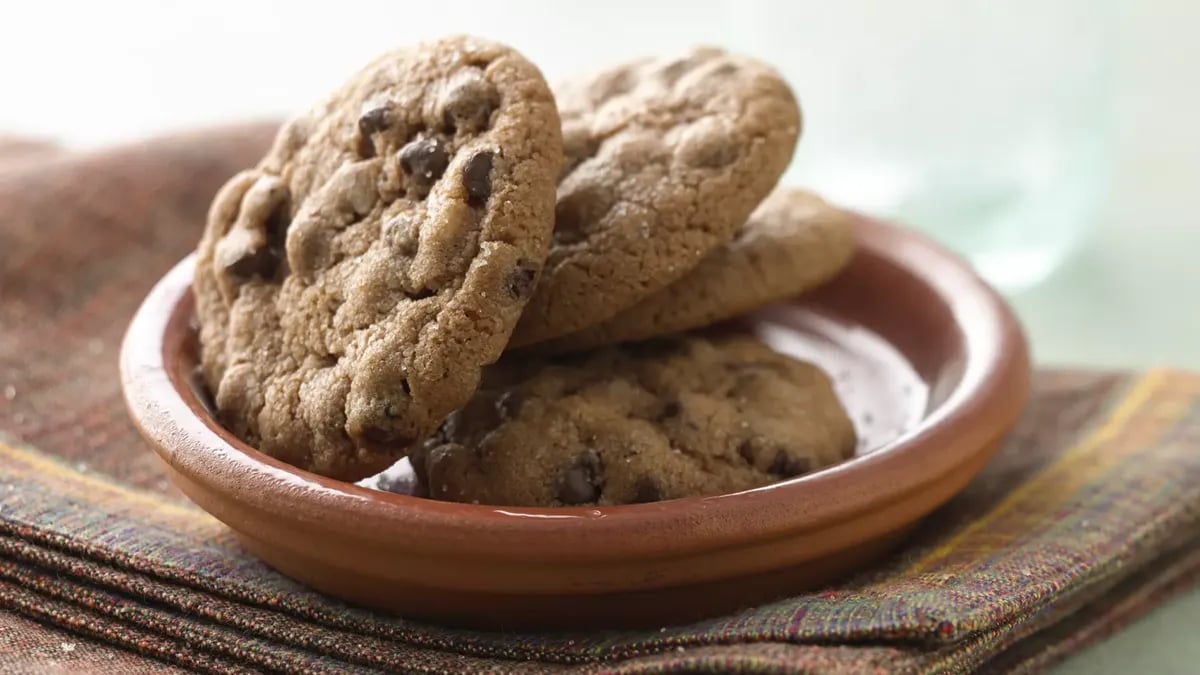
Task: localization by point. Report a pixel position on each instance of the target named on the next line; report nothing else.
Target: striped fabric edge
(158, 632)
(1155, 387)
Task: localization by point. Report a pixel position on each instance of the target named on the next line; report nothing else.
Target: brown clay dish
(930, 362)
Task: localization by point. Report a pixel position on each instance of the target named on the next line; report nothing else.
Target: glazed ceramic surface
(929, 361)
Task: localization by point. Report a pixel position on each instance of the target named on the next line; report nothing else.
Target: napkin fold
(1088, 516)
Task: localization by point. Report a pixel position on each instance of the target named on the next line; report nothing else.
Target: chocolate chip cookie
(793, 242)
(666, 158)
(353, 284)
(676, 417)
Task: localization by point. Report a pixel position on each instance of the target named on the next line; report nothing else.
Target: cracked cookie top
(352, 285)
(666, 158)
(793, 242)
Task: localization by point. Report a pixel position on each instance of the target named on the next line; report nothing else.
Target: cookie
(353, 284)
(793, 242)
(682, 416)
(666, 158)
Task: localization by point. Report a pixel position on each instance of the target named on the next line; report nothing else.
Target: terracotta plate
(931, 363)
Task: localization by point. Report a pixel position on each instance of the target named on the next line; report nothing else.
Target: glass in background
(985, 124)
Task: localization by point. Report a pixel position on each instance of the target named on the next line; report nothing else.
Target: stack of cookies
(512, 286)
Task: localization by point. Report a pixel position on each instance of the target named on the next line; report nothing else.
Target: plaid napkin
(1089, 515)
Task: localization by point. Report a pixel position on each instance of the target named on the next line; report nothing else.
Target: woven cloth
(1089, 515)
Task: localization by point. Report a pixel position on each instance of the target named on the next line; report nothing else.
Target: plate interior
(882, 392)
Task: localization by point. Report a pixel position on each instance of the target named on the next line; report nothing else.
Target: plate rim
(994, 387)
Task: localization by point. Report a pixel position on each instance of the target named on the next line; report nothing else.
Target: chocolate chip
(423, 161)
(478, 415)
(370, 122)
(787, 466)
(386, 436)
(577, 486)
(521, 279)
(477, 178)
(444, 469)
(568, 230)
(247, 252)
(671, 409)
(446, 452)
(580, 483)
(258, 262)
(645, 490)
(509, 403)
(420, 488)
(375, 119)
(747, 451)
(277, 227)
(469, 103)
